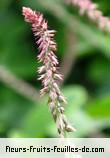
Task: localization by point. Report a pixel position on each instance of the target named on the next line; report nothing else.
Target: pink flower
(90, 9)
(48, 71)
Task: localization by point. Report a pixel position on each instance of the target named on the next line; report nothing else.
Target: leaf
(37, 121)
(99, 108)
(76, 97)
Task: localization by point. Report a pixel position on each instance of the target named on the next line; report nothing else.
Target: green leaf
(99, 108)
(37, 122)
(76, 97)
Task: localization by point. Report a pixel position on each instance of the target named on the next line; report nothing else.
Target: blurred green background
(84, 55)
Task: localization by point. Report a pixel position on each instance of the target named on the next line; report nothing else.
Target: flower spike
(48, 72)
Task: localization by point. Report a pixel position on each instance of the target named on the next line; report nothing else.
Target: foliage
(87, 86)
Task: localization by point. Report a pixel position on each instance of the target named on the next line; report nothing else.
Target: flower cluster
(48, 72)
(90, 9)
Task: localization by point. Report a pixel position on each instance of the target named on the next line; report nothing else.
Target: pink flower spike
(48, 71)
(90, 9)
